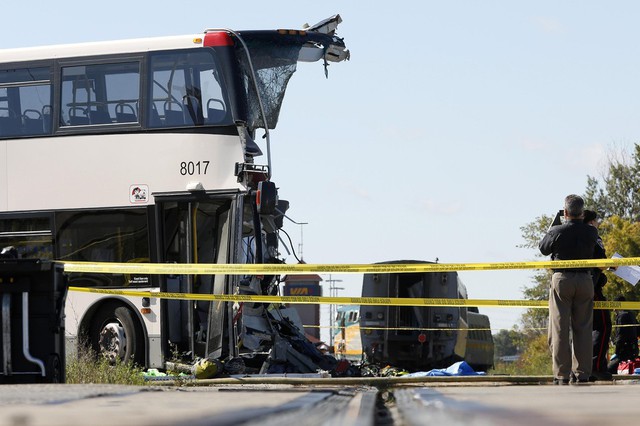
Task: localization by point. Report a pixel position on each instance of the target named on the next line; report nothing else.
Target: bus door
(194, 229)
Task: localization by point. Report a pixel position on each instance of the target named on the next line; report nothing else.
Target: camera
(557, 220)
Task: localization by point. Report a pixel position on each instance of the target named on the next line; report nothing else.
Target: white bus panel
(105, 170)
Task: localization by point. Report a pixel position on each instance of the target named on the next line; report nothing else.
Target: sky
(453, 125)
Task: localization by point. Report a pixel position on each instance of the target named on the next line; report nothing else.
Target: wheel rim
(113, 341)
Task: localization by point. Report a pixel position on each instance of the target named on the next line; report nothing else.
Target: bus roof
(100, 48)
(322, 33)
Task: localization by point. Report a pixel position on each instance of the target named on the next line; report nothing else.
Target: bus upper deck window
(187, 89)
(25, 95)
(96, 94)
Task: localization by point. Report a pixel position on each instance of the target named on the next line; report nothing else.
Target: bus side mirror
(281, 210)
(266, 197)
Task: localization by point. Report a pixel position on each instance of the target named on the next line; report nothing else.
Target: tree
(534, 321)
(621, 236)
(618, 193)
(616, 198)
(507, 343)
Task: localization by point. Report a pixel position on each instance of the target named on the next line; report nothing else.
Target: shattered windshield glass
(274, 56)
(274, 64)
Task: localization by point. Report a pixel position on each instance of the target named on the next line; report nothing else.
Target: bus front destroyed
(146, 151)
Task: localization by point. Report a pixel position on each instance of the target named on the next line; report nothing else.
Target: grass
(86, 367)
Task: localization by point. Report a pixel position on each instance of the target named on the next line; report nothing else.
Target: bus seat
(9, 122)
(192, 110)
(46, 118)
(32, 123)
(78, 120)
(215, 115)
(100, 117)
(154, 117)
(32, 126)
(9, 126)
(173, 118)
(173, 114)
(125, 117)
(125, 113)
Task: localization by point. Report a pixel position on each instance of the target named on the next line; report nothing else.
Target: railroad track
(283, 401)
(394, 401)
(370, 406)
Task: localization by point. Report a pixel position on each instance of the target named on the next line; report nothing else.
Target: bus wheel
(117, 335)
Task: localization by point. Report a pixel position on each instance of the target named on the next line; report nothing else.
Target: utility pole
(301, 240)
(301, 259)
(333, 292)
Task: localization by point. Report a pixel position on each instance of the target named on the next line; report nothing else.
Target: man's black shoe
(603, 376)
(580, 382)
(557, 381)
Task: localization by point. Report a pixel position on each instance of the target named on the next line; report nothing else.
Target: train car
(420, 338)
(346, 335)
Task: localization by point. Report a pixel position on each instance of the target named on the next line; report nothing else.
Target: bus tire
(55, 369)
(116, 334)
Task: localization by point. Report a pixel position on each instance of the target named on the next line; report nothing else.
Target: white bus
(143, 151)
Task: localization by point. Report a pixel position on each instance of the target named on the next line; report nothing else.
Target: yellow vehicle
(346, 340)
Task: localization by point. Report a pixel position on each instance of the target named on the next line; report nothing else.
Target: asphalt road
(442, 404)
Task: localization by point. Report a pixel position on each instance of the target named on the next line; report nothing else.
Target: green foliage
(533, 232)
(535, 360)
(534, 321)
(616, 198)
(504, 368)
(618, 192)
(86, 367)
(507, 342)
(622, 236)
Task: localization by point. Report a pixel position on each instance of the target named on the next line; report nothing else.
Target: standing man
(601, 317)
(571, 294)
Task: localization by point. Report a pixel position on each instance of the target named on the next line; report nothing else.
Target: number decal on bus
(194, 168)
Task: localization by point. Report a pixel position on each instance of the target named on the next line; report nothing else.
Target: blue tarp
(458, 369)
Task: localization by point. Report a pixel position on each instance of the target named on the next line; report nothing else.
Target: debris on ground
(460, 368)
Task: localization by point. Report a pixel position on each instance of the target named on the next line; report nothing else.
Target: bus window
(25, 96)
(100, 94)
(187, 90)
(103, 236)
(31, 236)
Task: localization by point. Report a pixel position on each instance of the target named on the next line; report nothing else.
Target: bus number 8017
(190, 168)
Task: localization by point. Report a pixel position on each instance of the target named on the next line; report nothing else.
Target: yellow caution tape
(273, 269)
(338, 327)
(370, 301)
(303, 268)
